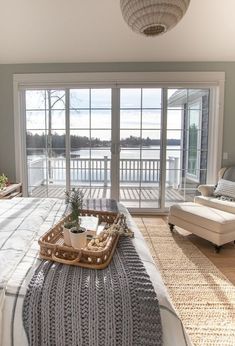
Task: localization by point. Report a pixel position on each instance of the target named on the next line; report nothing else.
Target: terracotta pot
(78, 240)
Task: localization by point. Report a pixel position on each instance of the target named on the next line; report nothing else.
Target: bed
(22, 222)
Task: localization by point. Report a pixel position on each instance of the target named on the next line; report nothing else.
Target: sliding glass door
(186, 143)
(146, 146)
(45, 112)
(90, 141)
(140, 142)
(68, 141)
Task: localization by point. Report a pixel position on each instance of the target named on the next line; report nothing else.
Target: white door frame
(213, 80)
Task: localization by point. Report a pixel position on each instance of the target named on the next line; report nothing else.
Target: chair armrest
(206, 190)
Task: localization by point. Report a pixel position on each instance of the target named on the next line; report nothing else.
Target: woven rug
(201, 294)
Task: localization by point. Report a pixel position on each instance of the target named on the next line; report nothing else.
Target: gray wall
(7, 154)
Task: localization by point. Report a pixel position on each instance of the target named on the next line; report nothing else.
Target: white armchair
(209, 216)
(206, 190)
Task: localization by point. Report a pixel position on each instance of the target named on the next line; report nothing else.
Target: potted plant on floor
(3, 181)
(74, 234)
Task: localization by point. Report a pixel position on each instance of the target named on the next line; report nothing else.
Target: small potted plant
(3, 181)
(74, 234)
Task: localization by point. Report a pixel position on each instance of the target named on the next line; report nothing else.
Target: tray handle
(61, 260)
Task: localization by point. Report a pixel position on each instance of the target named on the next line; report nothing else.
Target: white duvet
(22, 222)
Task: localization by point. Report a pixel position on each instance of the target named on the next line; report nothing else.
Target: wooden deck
(130, 196)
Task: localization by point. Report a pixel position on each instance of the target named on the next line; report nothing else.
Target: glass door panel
(45, 142)
(187, 136)
(90, 138)
(140, 132)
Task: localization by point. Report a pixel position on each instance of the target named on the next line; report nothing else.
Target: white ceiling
(34, 31)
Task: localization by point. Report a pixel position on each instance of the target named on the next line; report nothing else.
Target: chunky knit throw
(103, 204)
(72, 306)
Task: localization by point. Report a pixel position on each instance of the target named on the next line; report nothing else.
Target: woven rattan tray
(52, 245)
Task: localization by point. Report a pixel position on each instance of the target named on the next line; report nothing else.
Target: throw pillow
(225, 188)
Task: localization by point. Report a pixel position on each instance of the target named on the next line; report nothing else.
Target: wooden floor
(224, 261)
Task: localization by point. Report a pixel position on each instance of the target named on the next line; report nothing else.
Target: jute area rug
(201, 294)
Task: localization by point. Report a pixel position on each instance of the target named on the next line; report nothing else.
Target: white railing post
(35, 173)
(176, 173)
(30, 189)
(105, 170)
(173, 171)
(171, 161)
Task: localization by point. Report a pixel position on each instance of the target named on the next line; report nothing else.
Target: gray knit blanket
(103, 204)
(72, 306)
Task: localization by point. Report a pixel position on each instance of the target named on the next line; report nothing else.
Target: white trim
(20, 145)
(115, 145)
(163, 145)
(171, 79)
(67, 139)
(17, 130)
(213, 80)
(216, 115)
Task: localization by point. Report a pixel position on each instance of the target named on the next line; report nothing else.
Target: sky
(94, 105)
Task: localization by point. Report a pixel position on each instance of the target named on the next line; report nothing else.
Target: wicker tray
(52, 245)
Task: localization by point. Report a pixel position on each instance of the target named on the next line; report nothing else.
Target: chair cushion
(216, 203)
(215, 220)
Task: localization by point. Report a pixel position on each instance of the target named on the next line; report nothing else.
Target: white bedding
(22, 222)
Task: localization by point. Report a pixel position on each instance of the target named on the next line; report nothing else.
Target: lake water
(151, 152)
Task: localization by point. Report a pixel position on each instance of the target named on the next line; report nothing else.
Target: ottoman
(208, 223)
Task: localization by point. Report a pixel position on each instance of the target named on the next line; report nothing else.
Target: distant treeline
(57, 141)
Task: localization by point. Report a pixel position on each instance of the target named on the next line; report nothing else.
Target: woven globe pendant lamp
(153, 17)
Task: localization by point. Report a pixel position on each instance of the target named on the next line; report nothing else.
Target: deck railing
(36, 173)
(98, 170)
